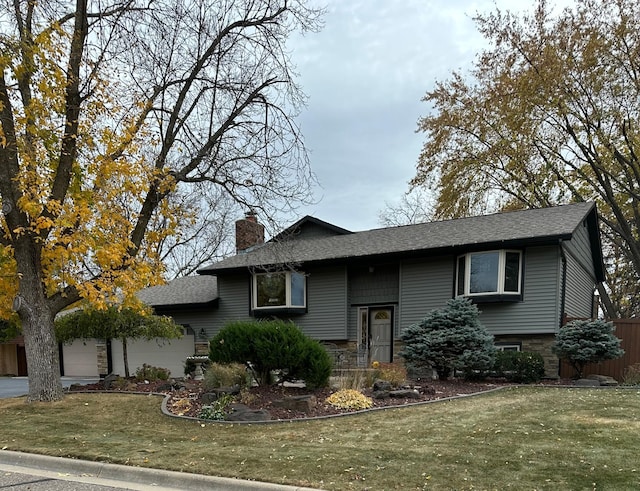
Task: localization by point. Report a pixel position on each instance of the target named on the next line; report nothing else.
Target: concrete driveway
(19, 386)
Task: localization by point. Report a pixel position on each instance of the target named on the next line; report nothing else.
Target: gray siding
(196, 320)
(424, 285)
(580, 275)
(233, 303)
(374, 286)
(539, 312)
(326, 317)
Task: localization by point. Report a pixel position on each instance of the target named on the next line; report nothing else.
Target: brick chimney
(249, 232)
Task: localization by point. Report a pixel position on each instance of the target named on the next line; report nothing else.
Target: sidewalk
(126, 477)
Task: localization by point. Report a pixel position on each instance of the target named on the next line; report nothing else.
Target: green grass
(525, 438)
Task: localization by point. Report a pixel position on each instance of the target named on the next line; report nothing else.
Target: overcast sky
(365, 74)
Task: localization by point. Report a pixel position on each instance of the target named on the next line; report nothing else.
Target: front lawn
(523, 438)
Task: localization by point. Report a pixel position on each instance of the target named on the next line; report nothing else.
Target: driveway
(19, 386)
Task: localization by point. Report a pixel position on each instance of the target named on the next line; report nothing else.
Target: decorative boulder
(240, 412)
(381, 385)
(304, 403)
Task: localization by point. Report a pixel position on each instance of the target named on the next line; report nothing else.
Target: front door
(381, 335)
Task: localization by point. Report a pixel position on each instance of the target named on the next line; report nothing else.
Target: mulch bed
(185, 397)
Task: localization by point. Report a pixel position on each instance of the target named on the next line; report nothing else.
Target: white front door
(381, 335)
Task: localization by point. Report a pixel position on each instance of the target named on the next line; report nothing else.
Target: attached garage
(80, 358)
(161, 353)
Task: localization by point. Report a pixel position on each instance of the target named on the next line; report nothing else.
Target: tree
(581, 342)
(415, 206)
(110, 112)
(115, 323)
(449, 338)
(272, 346)
(549, 114)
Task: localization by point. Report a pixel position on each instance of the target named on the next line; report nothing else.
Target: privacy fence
(628, 330)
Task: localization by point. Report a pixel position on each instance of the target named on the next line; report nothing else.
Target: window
(508, 346)
(286, 289)
(489, 273)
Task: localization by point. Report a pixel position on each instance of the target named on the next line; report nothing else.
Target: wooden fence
(628, 330)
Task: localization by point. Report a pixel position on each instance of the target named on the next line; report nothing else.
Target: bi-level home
(526, 270)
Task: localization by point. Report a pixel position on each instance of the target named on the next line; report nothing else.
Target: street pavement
(22, 471)
(19, 386)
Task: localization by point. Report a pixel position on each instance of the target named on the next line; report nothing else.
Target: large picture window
(286, 289)
(489, 273)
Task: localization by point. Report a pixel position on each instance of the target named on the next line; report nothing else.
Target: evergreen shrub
(448, 339)
(272, 347)
(587, 341)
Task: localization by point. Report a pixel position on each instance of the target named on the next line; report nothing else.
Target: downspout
(563, 289)
(563, 292)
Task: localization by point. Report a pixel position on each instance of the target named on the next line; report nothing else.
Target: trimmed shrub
(583, 341)
(225, 375)
(151, 373)
(448, 339)
(519, 366)
(272, 347)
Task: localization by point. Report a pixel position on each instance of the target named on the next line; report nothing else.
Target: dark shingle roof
(188, 290)
(500, 229)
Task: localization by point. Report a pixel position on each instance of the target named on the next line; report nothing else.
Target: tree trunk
(125, 357)
(43, 359)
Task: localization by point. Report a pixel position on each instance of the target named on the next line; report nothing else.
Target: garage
(157, 352)
(80, 358)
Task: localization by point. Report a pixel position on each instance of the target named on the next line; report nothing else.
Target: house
(526, 270)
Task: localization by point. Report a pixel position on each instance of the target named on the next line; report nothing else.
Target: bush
(349, 399)
(451, 338)
(632, 375)
(218, 410)
(582, 341)
(272, 346)
(519, 366)
(225, 375)
(151, 373)
(393, 373)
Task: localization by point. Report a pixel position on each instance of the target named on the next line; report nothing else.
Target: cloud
(365, 74)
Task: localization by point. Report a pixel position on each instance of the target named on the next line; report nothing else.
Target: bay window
(489, 273)
(279, 290)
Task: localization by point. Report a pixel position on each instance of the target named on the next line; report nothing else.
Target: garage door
(80, 358)
(161, 353)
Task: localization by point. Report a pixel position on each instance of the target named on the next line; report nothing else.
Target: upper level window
(489, 273)
(286, 289)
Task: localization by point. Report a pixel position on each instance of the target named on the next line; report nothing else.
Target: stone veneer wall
(535, 343)
(103, 362)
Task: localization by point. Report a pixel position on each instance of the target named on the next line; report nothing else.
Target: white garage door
(80, 358)
(161, 353)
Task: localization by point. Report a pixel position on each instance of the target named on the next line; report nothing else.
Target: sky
(365, 74)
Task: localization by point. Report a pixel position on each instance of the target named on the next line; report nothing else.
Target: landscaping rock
(405, 394)
(380, 385)
(587, 382)
(604, 380)
(380, 394)
(304, 403)
(240, 412)
(109, 380)
(208, 398)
